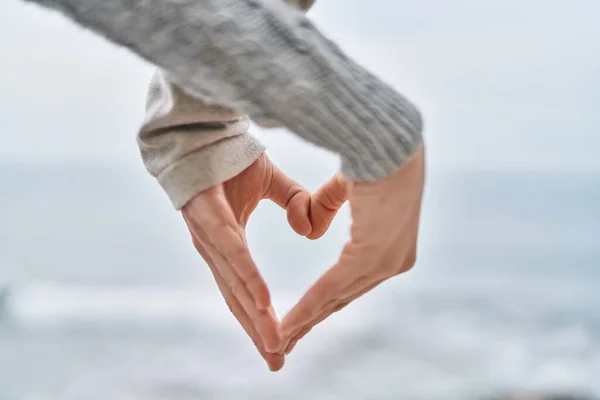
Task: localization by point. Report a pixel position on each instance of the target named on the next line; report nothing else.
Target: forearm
(265, 59)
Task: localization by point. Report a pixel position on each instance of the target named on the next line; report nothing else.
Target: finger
(327, 313)
(352, 264)
(229, 242)
(305, 330)
(274, 361)
(292, 197)
(225, 245)
(292, 344)
(217, 225)
(325, 203)
(265, 321)
(230, 254)
(331, 310)
(355, 260)
(327, 289)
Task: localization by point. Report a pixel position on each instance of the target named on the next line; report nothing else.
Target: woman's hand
(383, 244)
(217, 219)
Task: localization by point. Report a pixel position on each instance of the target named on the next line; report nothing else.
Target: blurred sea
(103, 297)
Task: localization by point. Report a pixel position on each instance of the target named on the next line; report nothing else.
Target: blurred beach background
(102, 295)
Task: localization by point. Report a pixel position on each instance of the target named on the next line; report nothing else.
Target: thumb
(326, 202)
(292, 197)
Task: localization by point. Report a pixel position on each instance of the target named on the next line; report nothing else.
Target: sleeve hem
(209, 166)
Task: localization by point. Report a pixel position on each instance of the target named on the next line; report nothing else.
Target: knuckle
(297, 193)
(238, 251)
(334, 197)
(216, 220)
(331, 304)
(304, 332)
(229, 280)
(253, 279)
(197, 244)
(237, 290)
(251, 275)
(409, 261)
(340, 306)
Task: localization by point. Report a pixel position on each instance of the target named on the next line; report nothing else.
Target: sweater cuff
(217, 163)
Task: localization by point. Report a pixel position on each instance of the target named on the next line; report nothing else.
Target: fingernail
(272, 344)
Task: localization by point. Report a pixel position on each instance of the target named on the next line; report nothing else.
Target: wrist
(208, 166)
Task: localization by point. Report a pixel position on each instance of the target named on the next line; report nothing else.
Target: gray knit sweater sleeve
(265, 59)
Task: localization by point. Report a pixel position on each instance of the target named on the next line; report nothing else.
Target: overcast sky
(502, 84)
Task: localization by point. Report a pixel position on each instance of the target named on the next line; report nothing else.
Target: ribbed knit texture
(264, 58)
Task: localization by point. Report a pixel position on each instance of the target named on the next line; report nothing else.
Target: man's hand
(383, 243)
(217, 220)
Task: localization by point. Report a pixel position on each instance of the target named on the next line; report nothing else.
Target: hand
(217, 220)
(383, 243)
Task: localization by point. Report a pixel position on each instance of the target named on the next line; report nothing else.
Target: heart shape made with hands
(383, 244)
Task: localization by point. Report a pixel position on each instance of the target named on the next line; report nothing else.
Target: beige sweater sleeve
(190, 146)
